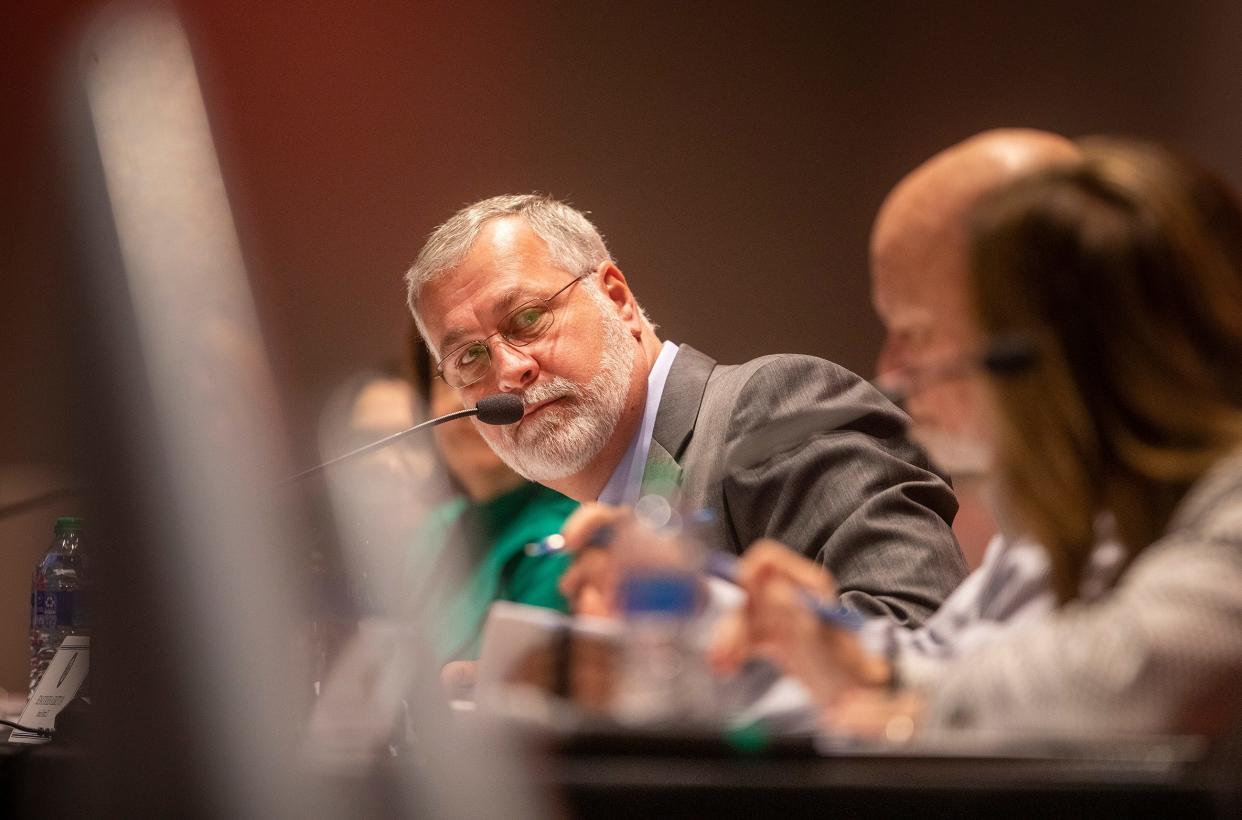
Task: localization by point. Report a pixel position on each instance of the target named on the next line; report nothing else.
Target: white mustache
(555, 388)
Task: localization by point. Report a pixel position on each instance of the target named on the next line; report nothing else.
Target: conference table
(605, 774)
(610, 775)
(613, 773)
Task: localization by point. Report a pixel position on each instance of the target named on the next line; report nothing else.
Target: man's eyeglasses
(529, 321)
(1006, 355)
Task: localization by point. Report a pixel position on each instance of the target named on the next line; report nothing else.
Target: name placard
(57, 687)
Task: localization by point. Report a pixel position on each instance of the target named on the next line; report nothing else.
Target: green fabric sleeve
(492, 539)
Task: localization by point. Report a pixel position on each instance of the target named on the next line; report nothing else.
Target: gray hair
(574, 244)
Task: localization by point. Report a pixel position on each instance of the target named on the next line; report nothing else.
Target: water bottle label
(57, 609)
(659, 593)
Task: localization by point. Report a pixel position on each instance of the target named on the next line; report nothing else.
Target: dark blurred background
(733, 155)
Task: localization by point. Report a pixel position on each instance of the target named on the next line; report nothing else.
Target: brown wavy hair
(1124, 269)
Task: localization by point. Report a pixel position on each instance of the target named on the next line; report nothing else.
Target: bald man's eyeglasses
(526, 323)
(1006, 355)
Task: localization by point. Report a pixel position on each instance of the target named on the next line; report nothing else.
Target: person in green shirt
(469, 552)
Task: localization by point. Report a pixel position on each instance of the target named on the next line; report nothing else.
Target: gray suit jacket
(801, 450)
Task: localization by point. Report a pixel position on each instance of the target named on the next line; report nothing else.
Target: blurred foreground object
(199, 717)
(197, 713)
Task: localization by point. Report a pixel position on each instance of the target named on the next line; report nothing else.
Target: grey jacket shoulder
(775, 403)
(802, 450)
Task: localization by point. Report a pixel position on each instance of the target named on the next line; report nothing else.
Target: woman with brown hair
(1121, 275)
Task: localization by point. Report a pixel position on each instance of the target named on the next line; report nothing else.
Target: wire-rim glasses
(528, 322)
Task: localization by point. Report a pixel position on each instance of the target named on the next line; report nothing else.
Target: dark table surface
(604, 775)
(610, 775)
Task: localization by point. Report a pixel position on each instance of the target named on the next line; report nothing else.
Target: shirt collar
(625, 483)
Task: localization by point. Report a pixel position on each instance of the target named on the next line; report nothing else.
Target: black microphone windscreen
(1011, 354)
(500, 408)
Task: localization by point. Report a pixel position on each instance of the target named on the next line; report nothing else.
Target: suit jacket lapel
(679, 406)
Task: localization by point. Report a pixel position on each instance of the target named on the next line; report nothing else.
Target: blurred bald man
(919, 270)
(919, 275)
(920, 279)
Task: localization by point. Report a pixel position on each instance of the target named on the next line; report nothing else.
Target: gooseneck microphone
(498, 408)
(1010, 355)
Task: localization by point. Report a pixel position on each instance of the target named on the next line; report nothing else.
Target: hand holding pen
(792, 618)
(590, 583)
(654, 534)
(827, 609)
(598, 530)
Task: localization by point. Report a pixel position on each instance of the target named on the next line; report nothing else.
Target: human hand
(777, 624)
(633, 542)
(582, 669)
(457, 679)
(590, 583)
(876, 714)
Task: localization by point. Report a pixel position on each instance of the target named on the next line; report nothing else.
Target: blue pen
(724, 566)
(720, 564)
(552, 544)
(602, 537)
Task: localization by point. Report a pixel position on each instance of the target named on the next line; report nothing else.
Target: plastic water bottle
(655, 683)
(58, 606)
(663, 678)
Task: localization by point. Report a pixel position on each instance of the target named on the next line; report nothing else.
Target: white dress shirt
(625, 484)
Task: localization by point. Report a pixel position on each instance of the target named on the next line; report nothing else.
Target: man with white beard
(518, 294)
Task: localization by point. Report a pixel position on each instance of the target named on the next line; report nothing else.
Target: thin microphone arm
(384, 442)
(36, 501)
(498, 408)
